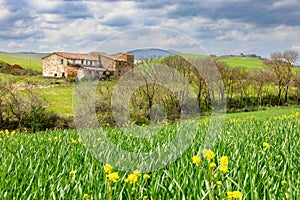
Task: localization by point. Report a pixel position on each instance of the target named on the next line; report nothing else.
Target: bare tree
(260, 78)
(282, 65)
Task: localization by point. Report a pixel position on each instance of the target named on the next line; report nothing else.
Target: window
(82, 62)
(62, 61)
(55, 75)
(91, 63)
(63, 74)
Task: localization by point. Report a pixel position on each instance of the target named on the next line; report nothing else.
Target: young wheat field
(255, 158)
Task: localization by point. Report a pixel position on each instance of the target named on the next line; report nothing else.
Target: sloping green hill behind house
(26, 60)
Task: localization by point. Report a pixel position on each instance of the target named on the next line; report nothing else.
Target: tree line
(277, 84)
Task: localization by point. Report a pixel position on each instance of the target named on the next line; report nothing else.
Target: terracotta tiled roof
(79, 56)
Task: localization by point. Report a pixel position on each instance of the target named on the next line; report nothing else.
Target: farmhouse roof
(89, 56)
(79, 56)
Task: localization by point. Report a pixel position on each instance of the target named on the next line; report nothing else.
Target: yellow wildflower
(1, 132)
(212, 165)
(223, 160)
(145, 197)
(234, 194)
(208, 154)
(132, 178)
(86, 196)
(108, 168)
(0, 139)
(73, 141)
(72, 172)
(196, 160)
(6, 131)
(113, 177)
(219, 183)
(146, 176)
(137, 172)
(13, 132)
(266, 145)
(283, 182)
(223, 168)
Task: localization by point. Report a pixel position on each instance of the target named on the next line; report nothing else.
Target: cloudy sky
(218, 26)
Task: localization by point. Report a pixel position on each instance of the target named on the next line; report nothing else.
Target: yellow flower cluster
(73, 141)
(146, 176)
(6, 132)
(112, 177)
(72, 172)
(133, 178)
(196, 160)
(223, 160)
(234, 194)
(223, 169)
(212, 165)
(266, 145)
(208, 154)
(223, 164)
(108, 168)
(86, 196)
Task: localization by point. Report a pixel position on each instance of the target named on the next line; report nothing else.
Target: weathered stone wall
(54, 67)
(107, 63)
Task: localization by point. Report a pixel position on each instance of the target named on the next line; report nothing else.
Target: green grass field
(243, 62)
(26, 60)
(59, 99)
(58, 165)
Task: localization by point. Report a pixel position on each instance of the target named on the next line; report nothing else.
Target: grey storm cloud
(118, 21)
(260, 13)
(210, 21)
(70, 10)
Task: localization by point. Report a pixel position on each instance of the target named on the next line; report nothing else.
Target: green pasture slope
(57, 164)
(26, 60)
(243, 62)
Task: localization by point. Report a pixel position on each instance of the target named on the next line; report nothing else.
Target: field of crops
(257, 157)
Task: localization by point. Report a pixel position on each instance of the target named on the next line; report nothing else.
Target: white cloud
(285, 3)
(296, 48)
(15, 45)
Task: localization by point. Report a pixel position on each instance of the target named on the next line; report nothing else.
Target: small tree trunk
(279, 96)
(286, 94)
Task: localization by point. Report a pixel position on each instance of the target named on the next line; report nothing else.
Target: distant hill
(149, 53)
(26, 60)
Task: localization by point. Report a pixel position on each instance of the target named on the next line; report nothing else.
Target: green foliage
(38, 119)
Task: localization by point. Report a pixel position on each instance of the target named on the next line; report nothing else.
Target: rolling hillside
(244, 62)
(26, 60)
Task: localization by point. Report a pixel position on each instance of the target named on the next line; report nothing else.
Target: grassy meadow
(244, 62)
(263, 163)
(26, 60)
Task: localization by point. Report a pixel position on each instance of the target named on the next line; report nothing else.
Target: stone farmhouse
(94, 65)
